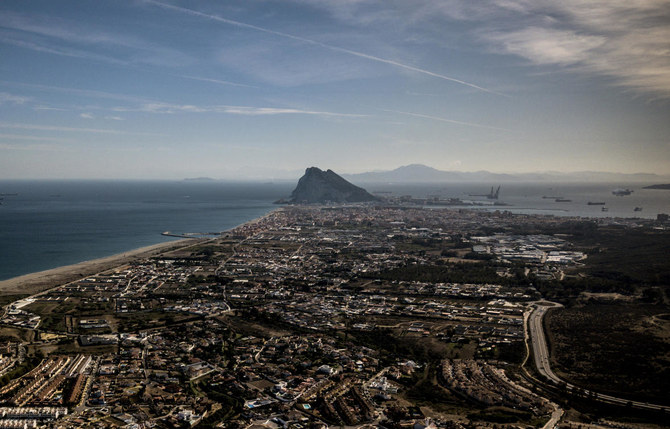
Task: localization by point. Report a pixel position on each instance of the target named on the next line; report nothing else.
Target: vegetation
(28, 364)
(6, 299)
(453, 273)
(613, 348)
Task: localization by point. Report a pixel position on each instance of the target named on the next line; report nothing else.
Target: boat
(622, 192)
(637, 209)
(562, 200)
(596, 203)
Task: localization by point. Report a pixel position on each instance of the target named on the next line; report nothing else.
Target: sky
(262, 89)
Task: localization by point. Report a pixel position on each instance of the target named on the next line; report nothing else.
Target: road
(541, 357)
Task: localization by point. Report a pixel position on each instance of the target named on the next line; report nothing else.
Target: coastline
(40, 281)
(43, 280)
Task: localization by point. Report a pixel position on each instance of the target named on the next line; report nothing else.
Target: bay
(48, 224)
(54, 223)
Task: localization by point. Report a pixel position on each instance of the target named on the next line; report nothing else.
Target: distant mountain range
(419, 173)
(199, 179)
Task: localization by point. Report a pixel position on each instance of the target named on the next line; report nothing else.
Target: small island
(661, 186)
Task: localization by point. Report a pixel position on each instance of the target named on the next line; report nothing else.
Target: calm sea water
(530, 198)
(54, 223)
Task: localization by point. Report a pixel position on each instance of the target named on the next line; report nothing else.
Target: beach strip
(43, 280)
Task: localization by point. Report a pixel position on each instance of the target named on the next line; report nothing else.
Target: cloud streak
(35, 127)
(32, 147)
(33, 138)
(350, 52)
(627, 41)
(216, 81)
(168, 108)
(71, 53)
(91, 93)
(14, 99)
(154, 106)
(38, 28)
(450, 121)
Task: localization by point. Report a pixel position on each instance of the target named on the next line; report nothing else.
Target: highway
(541, 356)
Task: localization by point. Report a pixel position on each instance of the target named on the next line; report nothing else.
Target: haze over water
(54, 223)
(50, 224)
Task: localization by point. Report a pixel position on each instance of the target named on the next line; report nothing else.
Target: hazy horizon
(262, 90)
(294, 175)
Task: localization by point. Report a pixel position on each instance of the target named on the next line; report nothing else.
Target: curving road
(541, 356)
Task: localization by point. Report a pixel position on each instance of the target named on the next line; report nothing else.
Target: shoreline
(40, 281)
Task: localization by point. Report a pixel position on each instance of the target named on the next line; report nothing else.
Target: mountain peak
(318, 186)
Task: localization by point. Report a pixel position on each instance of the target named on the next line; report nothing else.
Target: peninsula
(318, 186)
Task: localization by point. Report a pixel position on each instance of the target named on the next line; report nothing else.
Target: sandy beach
(43, 280)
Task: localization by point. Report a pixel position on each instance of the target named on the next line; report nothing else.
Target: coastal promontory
(318, 186)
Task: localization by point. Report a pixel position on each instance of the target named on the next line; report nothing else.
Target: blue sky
(264, 88)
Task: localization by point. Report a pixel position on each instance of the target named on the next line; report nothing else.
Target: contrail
(323, 45)
(217, 81)
(451, 121)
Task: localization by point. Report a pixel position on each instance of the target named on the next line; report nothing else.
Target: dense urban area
(356, 316)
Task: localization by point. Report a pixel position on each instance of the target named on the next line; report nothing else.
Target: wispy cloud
(90, 93)
(154, 106)
(548, 46)
(42, 107)
(44, 31)
(358, 54)
(66, 52)
(33, 138)
(36, 127)
(168, 108)
(451, 121)
(14, 99)
(628, 41)
(244, 110)
(216, 81)
(32, 147)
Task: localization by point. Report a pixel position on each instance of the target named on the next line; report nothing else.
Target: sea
(47, 224)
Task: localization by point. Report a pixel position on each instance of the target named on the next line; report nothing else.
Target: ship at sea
(622, 192)
(562, 200)
(596, 203)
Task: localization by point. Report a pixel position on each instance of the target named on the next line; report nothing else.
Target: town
(365, 316)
